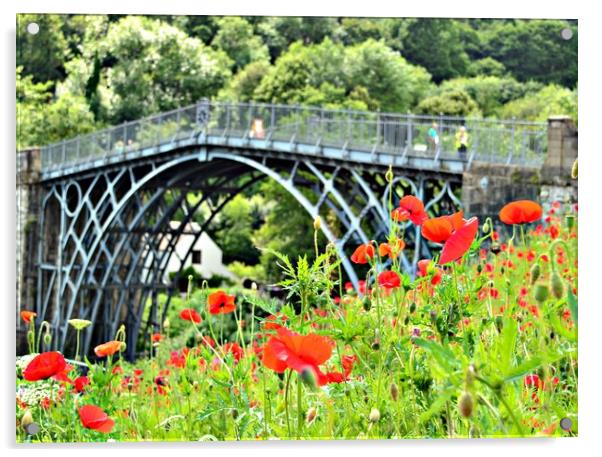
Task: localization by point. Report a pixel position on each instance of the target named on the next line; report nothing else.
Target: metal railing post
(511, 144)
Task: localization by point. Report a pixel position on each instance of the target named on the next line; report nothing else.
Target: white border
(590, 78)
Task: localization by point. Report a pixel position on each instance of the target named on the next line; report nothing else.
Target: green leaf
(443, 356)
(523, 369)
(438, 404)
(507, 343)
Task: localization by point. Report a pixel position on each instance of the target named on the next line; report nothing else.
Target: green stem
(299, 408)
(286, 396)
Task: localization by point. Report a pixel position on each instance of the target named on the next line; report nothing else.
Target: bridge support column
(28, 203)
(557, 184)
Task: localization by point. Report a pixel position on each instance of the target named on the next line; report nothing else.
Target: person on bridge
(433, 137)
(462, 141)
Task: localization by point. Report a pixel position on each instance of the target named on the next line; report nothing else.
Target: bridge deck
(355, 136)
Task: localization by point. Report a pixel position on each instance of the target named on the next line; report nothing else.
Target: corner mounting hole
(33, 28)
(566, 33)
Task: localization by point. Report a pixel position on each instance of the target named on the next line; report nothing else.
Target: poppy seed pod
(311, 415)
(389, 174)
(394, 391)
(374, 415)
(570, 221)
(466, 404)
(541, 293)
(557, 285)
(367, 303)
(27, 419)
(308, 378)
(317, 223)
(535, 273)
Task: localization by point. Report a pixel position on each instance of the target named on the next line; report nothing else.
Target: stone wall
(487, 187)
(28, 201)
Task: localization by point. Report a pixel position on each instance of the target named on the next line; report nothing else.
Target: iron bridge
(109, 196)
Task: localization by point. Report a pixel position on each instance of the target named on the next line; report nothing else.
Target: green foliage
(244, 83)
(436, 44)
(235, 37)
(42, 119)
(42, 55)
(538, 106)
(149, 66)
(487, 66)
(535, 49)
(234, 228)
(490, 92)
(452, 103)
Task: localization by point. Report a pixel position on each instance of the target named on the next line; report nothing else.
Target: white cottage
(205, 255)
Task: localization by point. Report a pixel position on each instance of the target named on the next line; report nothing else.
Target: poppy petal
(459, 242)
(520, 212)
(438, 229)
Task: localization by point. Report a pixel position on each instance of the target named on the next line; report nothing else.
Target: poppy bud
(574, 170)
(166, 323)
(466, 404)
(367, 303)
(389, 174)
(406, 321)
(311, 415)
(499, 323)
(27, 419)
(376, 345)
(317, 223)
(541, 293)
(479, 268)
(308, 378)
(374, 415)
(47, 338)
(570, 221)
(485, 227)
(557, 285)
(535, 273)
(394, 391)
(412, 307)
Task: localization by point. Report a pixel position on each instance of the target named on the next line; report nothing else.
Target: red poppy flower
(106, 349)
(439, 229)
(520, 212)
(63, 375)
(221, 303)
(389, 280)
(423, 266)
(44, 366)
(156, 337)
(272, 321)
(459, 242)
(288, 349)
(28, 316)
(363, 253)
(391, 249)
(410, 208)
(235, 350)
(80, 383)
(189, 314)
(95, 418)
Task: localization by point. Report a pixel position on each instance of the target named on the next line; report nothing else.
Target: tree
(244, 83)
(535, 49)
(487, 66)
(148, 66)
(43, 119)
(235, 37)
(42, 55)
(489, 92)
(436, 45)
(549, 101)
(452, 103)
(235, 224)
(389, 79)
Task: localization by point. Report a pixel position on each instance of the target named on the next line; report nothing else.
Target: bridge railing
(499, 141)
